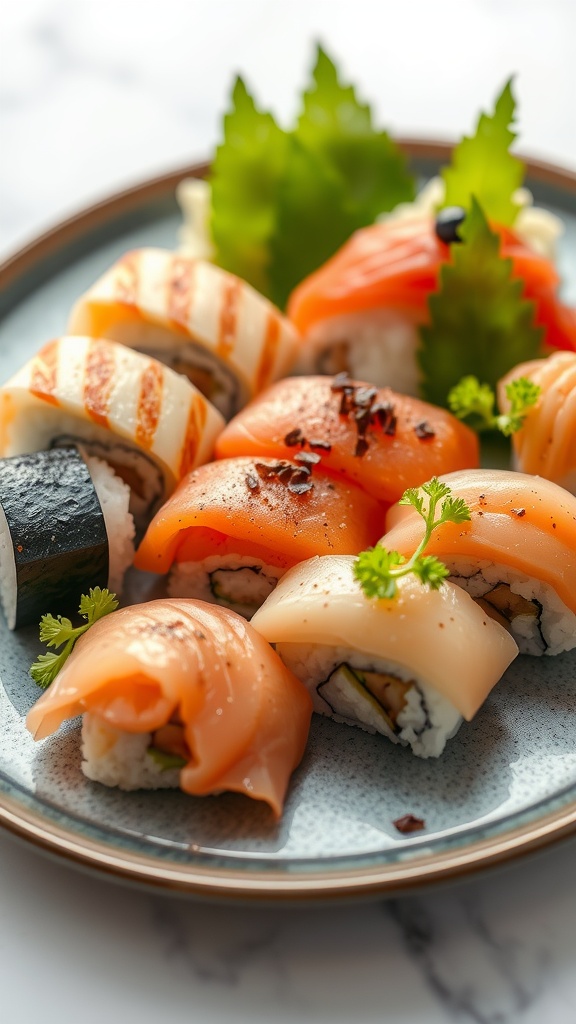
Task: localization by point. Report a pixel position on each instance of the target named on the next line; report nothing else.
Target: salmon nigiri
(234, 527)
(380, 440)
(360, 312)
(517, 555)
(180, 693)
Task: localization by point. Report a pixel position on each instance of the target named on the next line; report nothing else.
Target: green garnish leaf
(245, 176)
(166, 761)
(377, 569)
(482, 166)
(59, 632)
(480, 324)
(522, 395)
(470, 399)
(284, 202)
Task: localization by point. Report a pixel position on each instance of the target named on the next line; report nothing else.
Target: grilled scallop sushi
(151, 425)
(200, 320)
(516, 556)
(411, 668)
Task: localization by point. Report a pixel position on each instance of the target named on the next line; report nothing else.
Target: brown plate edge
(387, 879)
(280, 886)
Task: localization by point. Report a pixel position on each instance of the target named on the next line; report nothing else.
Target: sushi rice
(238, 582)
(426, 719)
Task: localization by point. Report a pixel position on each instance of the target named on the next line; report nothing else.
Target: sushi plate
(505, 785)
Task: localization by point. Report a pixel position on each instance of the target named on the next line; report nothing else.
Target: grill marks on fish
(149, 404)
(44, 375)
(99, 375)
(194, 429)
(180, 292)
(269, 352)
(127, 280)
(227, 330)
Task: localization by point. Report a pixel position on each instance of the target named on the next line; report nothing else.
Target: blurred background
(95, 94)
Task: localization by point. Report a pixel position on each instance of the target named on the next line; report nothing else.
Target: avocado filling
(243, 589)
(372, 698)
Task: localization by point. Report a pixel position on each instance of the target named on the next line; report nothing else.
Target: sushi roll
(198, 319)
(148, 423)
(411, 668)
(516, 556)
(361, 312)
(373, 437)
(64, 527)
(234, 527)
(546, 443)
(180, 693)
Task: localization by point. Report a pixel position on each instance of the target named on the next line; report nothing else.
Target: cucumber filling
(243, 589)
(360, 695)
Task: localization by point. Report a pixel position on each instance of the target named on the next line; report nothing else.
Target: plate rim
(392, 878)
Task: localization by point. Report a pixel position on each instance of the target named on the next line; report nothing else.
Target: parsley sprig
(59, 632)
(470, 399)
(378, 570)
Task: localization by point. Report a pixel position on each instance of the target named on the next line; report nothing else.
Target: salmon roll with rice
(516, 556)
(200, 320)
(380, 440)
(410, 668)
(180, 693)
(232, 528)
(545, 445)
(149, 424)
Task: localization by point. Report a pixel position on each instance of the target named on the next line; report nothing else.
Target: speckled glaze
(510, 768)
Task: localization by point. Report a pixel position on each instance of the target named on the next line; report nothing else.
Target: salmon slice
(518, 520)
(373, 437)
(545, 443)
(396, 265)
(246, 506)
(245, 716)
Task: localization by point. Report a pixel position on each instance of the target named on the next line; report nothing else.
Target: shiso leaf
(338, 127)
(480, 325)
(482, 165)
(245, 176)
(284, 202)
(56, 631)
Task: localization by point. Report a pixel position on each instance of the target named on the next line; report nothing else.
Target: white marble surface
(95, 94)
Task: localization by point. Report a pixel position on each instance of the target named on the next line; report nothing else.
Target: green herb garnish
(166, 761)
(483, 166)
(284, 201)
(480, 324)
(55, 632)
(470, 399)
(377, 569)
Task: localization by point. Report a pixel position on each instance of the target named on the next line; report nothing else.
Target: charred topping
(307, 458)
(294, 437)
(360, 402)
(295, 478)
(409, 823)
(324, 446)
(252, 482)
(519, 512)
(424, 431)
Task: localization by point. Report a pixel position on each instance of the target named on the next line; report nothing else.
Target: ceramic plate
(506, 783)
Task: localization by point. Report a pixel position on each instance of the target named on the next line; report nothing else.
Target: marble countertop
(95, 95)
